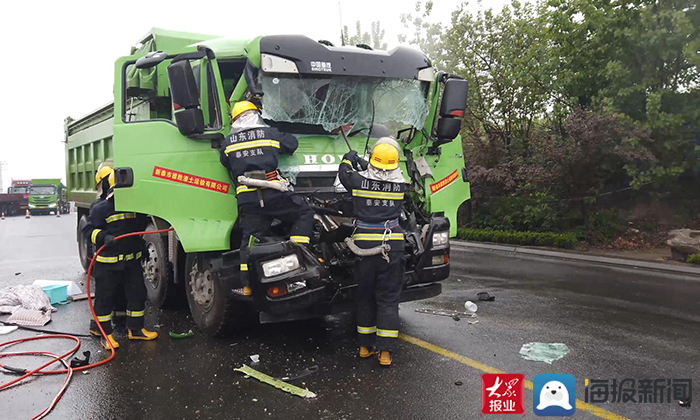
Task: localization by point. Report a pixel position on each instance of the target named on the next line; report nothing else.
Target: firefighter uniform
(377, 207)
(119, 313)
(118, 266)
(253, 147)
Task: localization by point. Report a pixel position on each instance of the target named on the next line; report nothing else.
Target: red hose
(39, 370)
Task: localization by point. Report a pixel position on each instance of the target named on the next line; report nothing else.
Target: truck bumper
(347, 303)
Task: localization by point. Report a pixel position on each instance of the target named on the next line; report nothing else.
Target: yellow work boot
(114, 342)
(385, 358)
(95, 332)
(365, 352)
(144, 334)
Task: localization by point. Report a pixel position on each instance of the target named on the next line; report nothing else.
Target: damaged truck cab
(170, 113)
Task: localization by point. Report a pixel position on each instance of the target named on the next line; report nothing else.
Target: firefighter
(250, 152)
(377, 194)
(118, 265)
(119, 314)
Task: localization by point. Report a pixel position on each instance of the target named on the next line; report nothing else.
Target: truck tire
(213, 308)
(85, 251)
(162, 290)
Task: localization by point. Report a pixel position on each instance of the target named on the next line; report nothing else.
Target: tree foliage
(571, 99)
(374, 38)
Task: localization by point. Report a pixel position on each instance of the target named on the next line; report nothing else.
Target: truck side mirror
(183, 88)
(454, 102)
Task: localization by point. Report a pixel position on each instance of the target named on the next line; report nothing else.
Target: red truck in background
(16, 200)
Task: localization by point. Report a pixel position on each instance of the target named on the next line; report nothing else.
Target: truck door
(160, 171)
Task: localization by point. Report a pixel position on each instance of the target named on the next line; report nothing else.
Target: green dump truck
(170, 113)
(47, 196)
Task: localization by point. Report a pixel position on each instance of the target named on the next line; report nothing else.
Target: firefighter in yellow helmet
(105, 171)
(250, 152)
(118, 265)
(377, 190)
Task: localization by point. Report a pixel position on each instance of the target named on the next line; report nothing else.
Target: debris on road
(29, 317)
(7, 329)
(470, 307)
(255, 358)
(30, 298)
(306, 372)
(544, 352)
(81, 296)
(445, 312)
(456, 318)
(485, 296)
(684, 403)
(284, 386)
(72, 289)
(188, 334)
(458, 383)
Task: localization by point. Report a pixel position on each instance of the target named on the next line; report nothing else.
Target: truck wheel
(158, 273)
(85, 251)
(213, 309)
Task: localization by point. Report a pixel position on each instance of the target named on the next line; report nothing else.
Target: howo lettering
(172, 98)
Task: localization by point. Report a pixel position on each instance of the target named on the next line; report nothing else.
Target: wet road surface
(618, 323)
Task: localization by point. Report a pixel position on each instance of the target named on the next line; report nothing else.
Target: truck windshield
(42, 190)
(331, 102)
(19, 190)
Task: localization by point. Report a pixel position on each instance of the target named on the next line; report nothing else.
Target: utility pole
(3, 165)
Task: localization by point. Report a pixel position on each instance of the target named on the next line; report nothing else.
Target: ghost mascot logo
(554, 395)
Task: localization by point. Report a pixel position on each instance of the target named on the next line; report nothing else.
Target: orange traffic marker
(3, 216)
(26, 215)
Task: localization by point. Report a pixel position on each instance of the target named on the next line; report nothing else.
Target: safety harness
(386, 235)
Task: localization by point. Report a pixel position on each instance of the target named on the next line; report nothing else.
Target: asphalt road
(618, 323)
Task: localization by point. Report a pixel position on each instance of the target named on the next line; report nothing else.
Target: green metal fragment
(294, 390)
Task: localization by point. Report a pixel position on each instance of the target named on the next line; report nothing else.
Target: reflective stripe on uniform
(93, 237)
(395, 236)
(120, 313)
(251, 144)
(104, 318)
(387, 333)
(244, 267)
(109, 260)
(300, 239)
(134, 314)
(244, 188)
(120, 216)
(346, 161)
(366, 330)
(117, 258)
(378, 194)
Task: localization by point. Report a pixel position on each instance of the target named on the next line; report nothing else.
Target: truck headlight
(31, 206)
(441, 238)
(280, 265)
(52, 205)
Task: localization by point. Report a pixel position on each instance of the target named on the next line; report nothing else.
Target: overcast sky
(59, 55)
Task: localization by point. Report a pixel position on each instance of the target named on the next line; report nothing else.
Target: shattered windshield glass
(336, 101)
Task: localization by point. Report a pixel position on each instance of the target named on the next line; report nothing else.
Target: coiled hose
(68, 371)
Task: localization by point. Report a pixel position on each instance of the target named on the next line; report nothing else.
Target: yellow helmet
(385, 156)
(241, 107)
(104, 171)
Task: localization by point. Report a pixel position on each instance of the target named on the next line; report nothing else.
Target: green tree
(374, 38)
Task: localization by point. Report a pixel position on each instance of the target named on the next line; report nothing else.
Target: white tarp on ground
(29, 305)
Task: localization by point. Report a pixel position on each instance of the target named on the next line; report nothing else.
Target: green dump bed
(89, 139)
(88, 144)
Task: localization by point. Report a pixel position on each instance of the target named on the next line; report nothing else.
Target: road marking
(580, 405)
